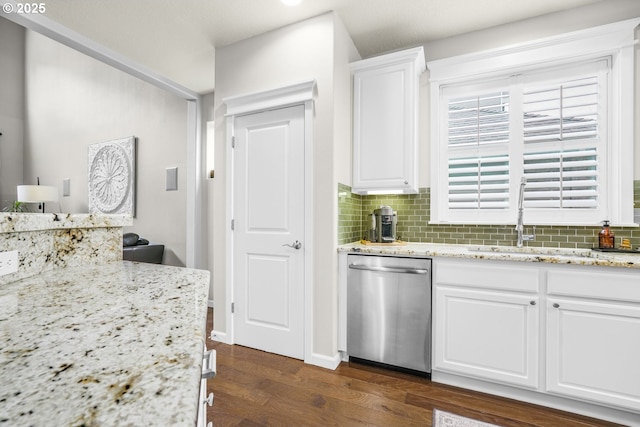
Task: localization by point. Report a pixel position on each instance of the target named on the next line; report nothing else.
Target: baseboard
(210, 303)
(539, 398)
(323, 361)
(219, 337)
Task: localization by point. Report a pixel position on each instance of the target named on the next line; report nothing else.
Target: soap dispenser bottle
(605, 237)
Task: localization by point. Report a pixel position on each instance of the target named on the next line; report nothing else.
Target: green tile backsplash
(349, 215)
(413, 224)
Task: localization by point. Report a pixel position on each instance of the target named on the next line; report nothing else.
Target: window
(478, 141)
(546, 126)
(559, 126)
(564, 137)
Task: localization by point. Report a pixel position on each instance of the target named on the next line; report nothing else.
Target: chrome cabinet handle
(209, 400)
(209, 362)
(296, 245)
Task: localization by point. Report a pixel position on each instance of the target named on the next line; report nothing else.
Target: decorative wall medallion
(112, 176)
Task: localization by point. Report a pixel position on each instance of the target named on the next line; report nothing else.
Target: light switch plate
(66, 187)
(8, 262)
(172, 179)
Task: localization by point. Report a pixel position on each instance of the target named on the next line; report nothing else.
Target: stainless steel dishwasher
(389, 311)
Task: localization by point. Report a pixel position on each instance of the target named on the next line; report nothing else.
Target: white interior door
(268, 213)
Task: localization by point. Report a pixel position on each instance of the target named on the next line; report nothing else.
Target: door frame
(295, 94)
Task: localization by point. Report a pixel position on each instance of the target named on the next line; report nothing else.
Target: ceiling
(177, 38)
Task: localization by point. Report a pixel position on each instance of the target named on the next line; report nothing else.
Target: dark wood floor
(254, 388)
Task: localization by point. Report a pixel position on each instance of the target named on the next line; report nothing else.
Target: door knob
(295, 245)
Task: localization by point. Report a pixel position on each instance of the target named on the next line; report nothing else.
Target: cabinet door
(488, 335)
(385, 132)
(593, 351)
(202, 405)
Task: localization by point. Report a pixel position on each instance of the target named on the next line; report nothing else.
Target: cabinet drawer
(488, 275)
(609, 284)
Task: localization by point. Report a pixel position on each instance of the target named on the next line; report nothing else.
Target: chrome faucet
(520, 226)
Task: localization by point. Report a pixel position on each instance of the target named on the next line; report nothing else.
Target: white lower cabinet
(208, 371)
(490, 335)
(202, 405)
(486, 320)
(593, 346)
(566, 331)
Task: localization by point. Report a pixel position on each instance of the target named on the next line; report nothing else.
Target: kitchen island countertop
(114, 344)
(501, 253)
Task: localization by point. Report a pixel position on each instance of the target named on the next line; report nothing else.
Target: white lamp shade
(37, 193)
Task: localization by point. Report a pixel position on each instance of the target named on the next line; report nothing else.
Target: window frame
(616, 41)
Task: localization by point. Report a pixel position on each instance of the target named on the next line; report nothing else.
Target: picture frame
(112, 176)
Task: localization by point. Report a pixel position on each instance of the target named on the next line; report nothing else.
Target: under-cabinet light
(382, 192)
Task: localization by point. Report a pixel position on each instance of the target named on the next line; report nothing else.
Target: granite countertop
(502, 253)
(114, 344)
(12, 222)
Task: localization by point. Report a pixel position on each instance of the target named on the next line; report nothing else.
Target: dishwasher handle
(403, 270)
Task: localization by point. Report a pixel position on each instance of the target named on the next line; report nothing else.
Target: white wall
(209, 194)
(292, 54)
(73, 101)
(11, 109)
(345, 52)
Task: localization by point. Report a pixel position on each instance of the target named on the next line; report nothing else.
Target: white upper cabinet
(385, 122)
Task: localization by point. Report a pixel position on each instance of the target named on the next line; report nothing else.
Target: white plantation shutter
(561, 179)
(478, 138)
(479, 120)
(562, 122)
(566, 110)
(546, 126)
(479, 182)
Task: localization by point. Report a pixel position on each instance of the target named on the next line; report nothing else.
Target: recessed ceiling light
(291, 2)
